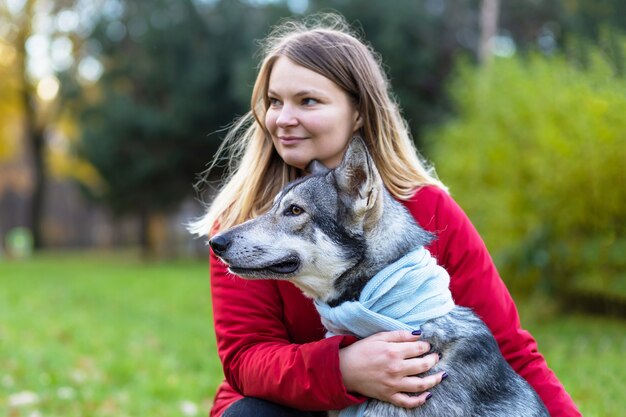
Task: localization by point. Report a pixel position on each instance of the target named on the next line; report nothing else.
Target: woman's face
(309, 117)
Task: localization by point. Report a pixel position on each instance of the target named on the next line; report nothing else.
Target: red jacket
(271, 341)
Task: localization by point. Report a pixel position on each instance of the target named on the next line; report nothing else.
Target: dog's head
(315, 231)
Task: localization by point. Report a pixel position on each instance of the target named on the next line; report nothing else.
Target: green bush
(536, 156)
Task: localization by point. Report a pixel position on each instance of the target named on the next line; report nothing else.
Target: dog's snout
(219, 244)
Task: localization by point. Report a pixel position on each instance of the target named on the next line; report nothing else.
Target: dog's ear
(316, 167)
(359, 180)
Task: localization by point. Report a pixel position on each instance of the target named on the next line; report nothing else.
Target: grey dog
(333, 230)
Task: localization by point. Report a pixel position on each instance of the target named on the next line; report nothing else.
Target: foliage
(104, 335)
(588, 18)
(177, 72)
(62, 161)
(536, 157)
(9, 99)
(146, 124)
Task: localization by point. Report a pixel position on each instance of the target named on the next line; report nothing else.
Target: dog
(330, 233)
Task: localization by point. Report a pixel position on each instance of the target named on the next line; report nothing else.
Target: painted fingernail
(429, 396)
(444, 376)
(416, 332)
(440, 355)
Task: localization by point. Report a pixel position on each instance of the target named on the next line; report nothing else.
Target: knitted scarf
(402, 296)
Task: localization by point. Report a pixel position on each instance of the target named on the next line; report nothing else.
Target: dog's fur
(329, 233)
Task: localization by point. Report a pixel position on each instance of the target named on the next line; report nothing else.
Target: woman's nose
(287, 117)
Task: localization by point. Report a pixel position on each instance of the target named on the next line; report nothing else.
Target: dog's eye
(294, 210)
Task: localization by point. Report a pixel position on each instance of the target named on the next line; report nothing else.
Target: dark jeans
(254, 407)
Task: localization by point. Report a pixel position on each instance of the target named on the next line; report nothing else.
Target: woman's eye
(294, 210)
(309, 101)
(273, 101)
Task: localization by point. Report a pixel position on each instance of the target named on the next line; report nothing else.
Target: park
(112, 110)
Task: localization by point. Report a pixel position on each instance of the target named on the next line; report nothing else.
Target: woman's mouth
(290, 140)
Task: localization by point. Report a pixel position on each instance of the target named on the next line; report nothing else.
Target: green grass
(102, 335)
(586, 353)
(106, 336)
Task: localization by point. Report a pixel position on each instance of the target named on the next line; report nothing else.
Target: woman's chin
(296, 161)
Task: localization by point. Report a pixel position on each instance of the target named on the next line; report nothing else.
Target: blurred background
(110, 111)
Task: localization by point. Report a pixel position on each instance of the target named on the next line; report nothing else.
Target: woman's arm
(475, 283)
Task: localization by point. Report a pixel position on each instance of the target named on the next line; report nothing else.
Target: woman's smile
(291, 140)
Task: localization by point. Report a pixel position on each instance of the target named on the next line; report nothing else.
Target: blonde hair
(324, 44)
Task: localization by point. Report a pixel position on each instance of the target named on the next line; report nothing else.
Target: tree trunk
(489, 12)
(153, 235)
(144, 234)
(33, 131)
(36, 137)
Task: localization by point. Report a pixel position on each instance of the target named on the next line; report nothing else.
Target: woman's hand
(384, 365)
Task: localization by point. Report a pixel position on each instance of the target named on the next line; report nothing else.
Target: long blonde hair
(324, 44)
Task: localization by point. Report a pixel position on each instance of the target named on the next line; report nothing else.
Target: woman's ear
(358, 123)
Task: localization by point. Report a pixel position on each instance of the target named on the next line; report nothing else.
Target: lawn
(101, 335)
(106, 336)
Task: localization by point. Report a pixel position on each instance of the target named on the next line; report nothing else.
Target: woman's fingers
(415, 366)
(403, 343)
(403, 400)
(412, 349)
(416, 384)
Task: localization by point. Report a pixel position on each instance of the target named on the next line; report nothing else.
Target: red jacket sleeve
(256, 351)
(475, 283)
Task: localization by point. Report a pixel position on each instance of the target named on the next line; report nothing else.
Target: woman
(317, 86)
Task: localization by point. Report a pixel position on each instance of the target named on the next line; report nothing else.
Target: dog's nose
(219, 244)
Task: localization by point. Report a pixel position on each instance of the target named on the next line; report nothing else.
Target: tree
(545, 158)
(29, 109)
(169, 82)
(23, 95)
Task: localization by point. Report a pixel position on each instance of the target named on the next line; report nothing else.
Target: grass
(101, 335)
(106, 336)
(586, 353)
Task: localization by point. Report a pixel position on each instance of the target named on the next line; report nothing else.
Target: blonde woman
(317, 86)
